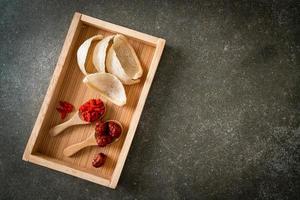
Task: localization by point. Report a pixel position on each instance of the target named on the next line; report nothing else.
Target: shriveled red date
(106, 132)
(99, 160)
(114, 129)
(101, 128)
(104, 140)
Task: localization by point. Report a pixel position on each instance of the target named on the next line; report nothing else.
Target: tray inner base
(73, 90)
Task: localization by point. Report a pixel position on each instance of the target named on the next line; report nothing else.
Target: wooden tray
(66, 84)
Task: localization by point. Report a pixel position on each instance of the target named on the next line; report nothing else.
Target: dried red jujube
(104, 140)
(114, 129)
(106, 132)
(101, 128)
(99, 160)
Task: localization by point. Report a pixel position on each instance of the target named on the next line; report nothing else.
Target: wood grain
(67, 85)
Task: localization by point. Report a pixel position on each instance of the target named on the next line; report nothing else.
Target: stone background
(222, 115)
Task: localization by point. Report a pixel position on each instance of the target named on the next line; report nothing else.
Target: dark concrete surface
(221, 118)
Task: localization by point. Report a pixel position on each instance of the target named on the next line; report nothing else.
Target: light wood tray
(66, 84)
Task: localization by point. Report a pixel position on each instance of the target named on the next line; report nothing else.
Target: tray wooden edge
(148, 39)
(52, 85)
(137, 113)
(55, 165)
(79, 18)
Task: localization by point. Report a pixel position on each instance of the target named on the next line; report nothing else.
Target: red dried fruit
(99, 160)
(66, 106)
(64, 109)
(63, 115)
(101, 128)
(60, 110)
(106, 132)
(92, 110)
(103, 140)
(114, 129)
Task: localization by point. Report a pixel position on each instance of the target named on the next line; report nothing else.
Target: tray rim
(52, 163)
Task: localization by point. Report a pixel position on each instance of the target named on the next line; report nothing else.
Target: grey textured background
(221, 118)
